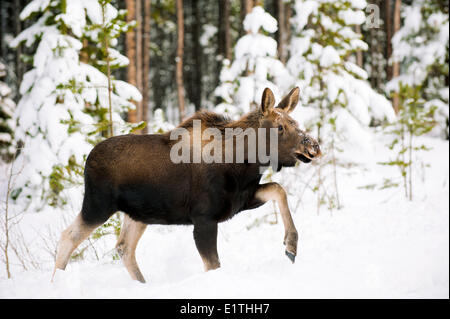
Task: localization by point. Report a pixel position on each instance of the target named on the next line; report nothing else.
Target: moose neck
(255, 150)
(240, 140)
(249, 120)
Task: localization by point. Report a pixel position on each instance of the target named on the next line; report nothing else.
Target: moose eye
(280, 128)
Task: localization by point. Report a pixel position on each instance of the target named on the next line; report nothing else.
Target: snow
(441, 115)
(358, 4)
(4, 89)
(75, 17)
(255, 46)
(379, 245)
(355, 69)
(351, 17)
(329, 57)
(5, 137)
(259, 19)
(209, 31)
(303, 10)
(28, 36)
(34, 6)
(7, 124)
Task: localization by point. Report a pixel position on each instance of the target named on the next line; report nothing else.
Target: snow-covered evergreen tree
(7, 124)
(254, 68)
(339, 104)
(321, 61)
(421, 46)
(64, 105)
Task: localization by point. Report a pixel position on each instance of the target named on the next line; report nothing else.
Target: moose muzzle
(308, 150)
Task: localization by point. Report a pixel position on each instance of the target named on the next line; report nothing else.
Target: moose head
(293, 143)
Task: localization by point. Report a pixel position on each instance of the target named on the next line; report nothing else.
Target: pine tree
(413, 120)
(7, 125)
(64, 108)
(422, 46)
(340, 104)
(254, 68)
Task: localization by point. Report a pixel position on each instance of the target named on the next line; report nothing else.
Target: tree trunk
(179, 59)
(224, 44)
(246, 8)
(359, 54)
(198, 87)
(395, 65)
(139, 66)
(2, 29)
(224, 29)
(108, 66)
(388, 25)
(20, 69)
(281, 34)
(378, 44)
(146, 63)
(287, 28)
(371, 41)
(156, 79)
(131, 54)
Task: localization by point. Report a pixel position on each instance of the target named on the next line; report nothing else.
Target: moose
(134, 174)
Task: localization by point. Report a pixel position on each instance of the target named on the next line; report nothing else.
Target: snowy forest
(372, 213)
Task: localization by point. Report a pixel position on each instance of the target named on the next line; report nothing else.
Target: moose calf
(135, 174)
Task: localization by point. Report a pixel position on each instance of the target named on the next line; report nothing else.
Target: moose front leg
(205, 236)
(274, 191)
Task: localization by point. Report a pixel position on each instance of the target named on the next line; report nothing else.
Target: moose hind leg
(78, 231)
(205, 236)
(126, 246)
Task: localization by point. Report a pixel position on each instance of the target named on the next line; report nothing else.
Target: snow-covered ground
(378, 245)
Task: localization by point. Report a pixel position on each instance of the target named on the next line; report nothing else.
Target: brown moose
(134, 174)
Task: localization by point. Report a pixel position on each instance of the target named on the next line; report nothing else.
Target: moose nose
(317, 150)
(313, 147)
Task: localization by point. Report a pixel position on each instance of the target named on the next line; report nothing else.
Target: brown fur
(134, 174)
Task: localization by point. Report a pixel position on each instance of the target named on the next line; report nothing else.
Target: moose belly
(152, 204)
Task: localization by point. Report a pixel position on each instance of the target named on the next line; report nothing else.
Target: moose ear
(268, 101)
(290, 101)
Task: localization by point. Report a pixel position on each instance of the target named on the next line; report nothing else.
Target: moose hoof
(291, 256)
(290, 241)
